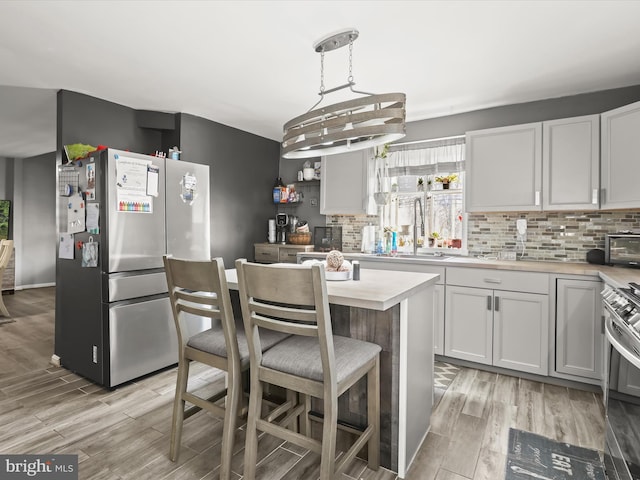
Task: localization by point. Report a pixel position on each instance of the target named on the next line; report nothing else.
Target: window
(428, 176)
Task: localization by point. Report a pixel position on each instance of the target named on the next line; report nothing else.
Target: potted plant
(447, 179)
(432, 238)
(420, 184)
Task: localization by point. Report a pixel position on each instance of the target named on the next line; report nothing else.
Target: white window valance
(427, 158)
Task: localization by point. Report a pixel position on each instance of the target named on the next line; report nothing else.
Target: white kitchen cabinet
(579, 336)
(504, 167)
(628, 378)
(571, 163)
(343, 183)
(498, 326)
(620, 157)
(469, 324)
(521, 331)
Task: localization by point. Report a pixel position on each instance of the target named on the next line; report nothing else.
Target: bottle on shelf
(278, 189)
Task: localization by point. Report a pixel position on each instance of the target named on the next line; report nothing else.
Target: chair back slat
(290, 313)
(285, 327)
(279, 283)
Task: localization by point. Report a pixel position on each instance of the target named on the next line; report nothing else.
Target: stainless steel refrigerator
(113, 320)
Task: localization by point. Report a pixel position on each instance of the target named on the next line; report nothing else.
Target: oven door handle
(613, 338)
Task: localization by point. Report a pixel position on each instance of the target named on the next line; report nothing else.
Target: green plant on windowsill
(447, 179)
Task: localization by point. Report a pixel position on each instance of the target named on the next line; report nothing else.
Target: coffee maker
(282, 220)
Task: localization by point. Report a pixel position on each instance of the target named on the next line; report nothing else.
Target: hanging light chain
(350, 77)
(322, 72)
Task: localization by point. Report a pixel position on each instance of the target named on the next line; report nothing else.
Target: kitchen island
(394, 310)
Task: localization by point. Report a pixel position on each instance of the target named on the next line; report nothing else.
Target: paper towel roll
(368, 239)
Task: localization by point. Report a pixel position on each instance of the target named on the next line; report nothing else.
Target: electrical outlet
(521, 228)
(314, 202)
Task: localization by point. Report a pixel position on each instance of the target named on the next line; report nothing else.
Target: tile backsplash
(551, 236)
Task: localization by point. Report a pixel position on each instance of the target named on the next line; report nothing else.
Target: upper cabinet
(504, 168)
(620, 157)
(570, 163)
(550, 165)
(343, 183)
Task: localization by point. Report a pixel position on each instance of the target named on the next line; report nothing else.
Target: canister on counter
(356, 269)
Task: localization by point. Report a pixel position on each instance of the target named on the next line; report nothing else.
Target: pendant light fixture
(364, 122)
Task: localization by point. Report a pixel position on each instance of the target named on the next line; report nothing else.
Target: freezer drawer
(143, 339)
(125, 287)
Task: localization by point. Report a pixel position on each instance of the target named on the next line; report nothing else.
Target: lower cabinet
(579, 336)
(628, 378)
(495, 327)
(499, 318)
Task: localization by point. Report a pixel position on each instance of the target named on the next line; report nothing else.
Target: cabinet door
(438, 319)
(620, 157)
(521, 331)
(628, 378)
(504, 168)
(578, 328)
(343, 183)
(469, 324)
(571, 163)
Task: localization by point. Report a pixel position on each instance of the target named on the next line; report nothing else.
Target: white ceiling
(251, 65)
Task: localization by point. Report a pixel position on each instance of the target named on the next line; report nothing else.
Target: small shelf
(445, 191)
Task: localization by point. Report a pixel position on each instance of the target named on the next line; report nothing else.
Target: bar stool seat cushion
(212, 341)
(300, 356)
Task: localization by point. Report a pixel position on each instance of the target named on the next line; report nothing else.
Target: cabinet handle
(537, 200)
(493, 280)
(496, 303)
(489, 307)
(594, 196)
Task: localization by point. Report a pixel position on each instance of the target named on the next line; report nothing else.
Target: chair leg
(234, 394)
(178, 409)
(3, 308)
(305, 421)
(329, 431)
(373, 414)
(251, 440)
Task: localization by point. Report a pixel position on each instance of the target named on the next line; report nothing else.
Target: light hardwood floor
(124, 433)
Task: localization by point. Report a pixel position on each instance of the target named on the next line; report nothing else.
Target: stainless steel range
(622, 330)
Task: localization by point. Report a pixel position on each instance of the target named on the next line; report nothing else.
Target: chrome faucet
(417, 203)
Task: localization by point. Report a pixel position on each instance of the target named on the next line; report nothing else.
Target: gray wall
(564, 107)
(242, 168)
(34, 221)
(85, 119)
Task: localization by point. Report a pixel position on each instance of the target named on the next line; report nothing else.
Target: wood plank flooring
(124, 433)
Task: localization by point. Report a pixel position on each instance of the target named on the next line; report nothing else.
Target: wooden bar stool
(292, 299)
(200, 289)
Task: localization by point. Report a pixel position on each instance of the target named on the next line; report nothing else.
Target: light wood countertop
(376, 289)
(617, 276)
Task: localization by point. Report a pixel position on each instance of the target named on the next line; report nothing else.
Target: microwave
(622, 249)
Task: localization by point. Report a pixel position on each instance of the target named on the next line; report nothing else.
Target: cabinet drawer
(499, 279)
(288, 255)
(266, 254)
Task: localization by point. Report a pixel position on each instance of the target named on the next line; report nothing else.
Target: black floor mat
(534, 457)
